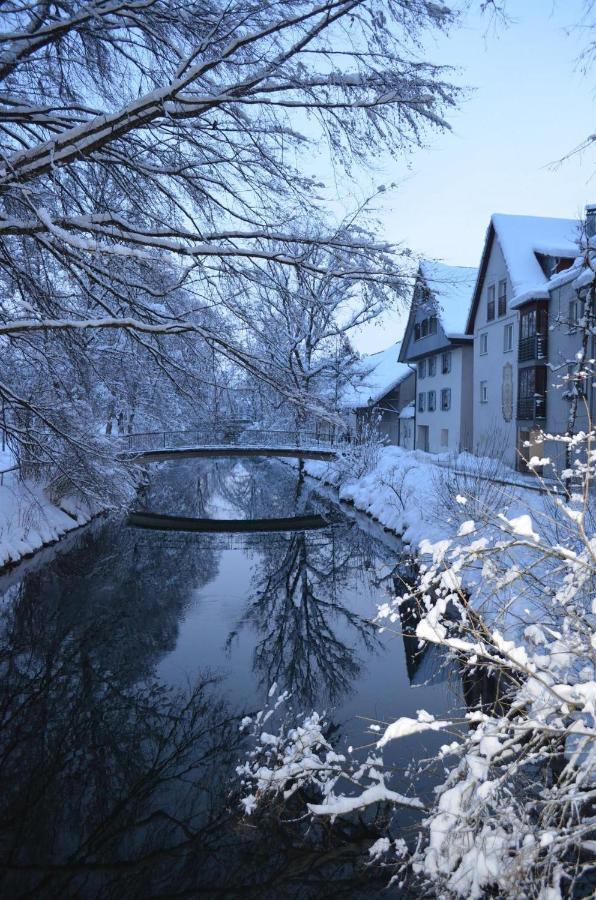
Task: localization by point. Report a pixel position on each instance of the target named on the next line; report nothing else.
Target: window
(444, 437)
(528, 324)
(417, 331)
(502, 297)
(575, 381)
(421, 400)
(484, 391)
(424, 327)
(576, 312)
(484, 343)
(432, 325)
(446, 399)
(490, 305)
(508, 338)
(432, 365)
(446, 362)
(422, 369)
(531, 393)
(432, 401)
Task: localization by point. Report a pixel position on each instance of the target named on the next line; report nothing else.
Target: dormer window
(432, 325)
(424, 329)
(417, 331)
(490, 304)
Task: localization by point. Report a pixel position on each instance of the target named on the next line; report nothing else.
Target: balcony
(531, 408)
(533, 347)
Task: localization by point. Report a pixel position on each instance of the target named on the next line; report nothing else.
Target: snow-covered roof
(408, 412)
(452, 288)
(377, 374)
(522, 237)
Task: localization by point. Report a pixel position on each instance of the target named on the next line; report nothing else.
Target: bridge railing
(224, 436)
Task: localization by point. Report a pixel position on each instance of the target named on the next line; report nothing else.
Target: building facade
(435, 343)
(509, 324)
(381, 389)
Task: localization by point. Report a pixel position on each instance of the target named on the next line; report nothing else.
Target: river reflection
(126, 662)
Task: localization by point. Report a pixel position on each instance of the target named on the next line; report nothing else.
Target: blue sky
(530, 104)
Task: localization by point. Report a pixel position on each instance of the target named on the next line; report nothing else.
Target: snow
(29, 520)
(452, 287)
(522, 237)
(405, 726)
(377, 793)
(377, 375)
(408, 412)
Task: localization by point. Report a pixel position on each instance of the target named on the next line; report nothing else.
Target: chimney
(590, 220)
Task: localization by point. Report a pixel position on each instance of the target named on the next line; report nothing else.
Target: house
(381, 397)
(436, 344)
(509, 324)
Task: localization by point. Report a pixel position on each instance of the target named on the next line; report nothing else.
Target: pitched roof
(452, 288)
(521, 238)
(376, 376)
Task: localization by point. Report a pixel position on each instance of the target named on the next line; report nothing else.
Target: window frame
(432, 360)
(507, 329)
(446, 358)
(444, 443)
(502, 296)
(490, 303)
(483, 343)
(422, 369)
(445, 399)
(484, 391)
(421, 402)
(431, 395)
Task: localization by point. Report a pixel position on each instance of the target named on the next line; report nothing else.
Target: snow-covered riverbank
(29, 520)
(414, 494)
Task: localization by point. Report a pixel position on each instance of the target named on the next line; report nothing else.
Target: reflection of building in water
(428, 663)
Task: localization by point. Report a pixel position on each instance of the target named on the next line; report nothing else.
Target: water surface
(129, 656)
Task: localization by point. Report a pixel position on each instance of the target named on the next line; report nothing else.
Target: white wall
(453, 418)
(493, 434)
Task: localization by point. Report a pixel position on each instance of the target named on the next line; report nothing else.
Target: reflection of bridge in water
(160, 522)
(230, 441)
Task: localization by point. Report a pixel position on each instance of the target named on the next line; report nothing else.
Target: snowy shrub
(515, 609)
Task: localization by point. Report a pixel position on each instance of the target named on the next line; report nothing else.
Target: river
(129, 656)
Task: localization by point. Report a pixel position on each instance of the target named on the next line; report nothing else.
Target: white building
(381, 391)
(509, 324)
(435, 344)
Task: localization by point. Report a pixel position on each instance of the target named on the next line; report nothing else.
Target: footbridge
(230, 441)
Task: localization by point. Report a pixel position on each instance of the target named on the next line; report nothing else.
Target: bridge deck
(227, 450)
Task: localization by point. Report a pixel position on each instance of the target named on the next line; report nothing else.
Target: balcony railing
(531, 408)
(533, 347)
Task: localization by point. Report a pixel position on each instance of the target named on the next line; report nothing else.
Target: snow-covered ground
(407, 490)
(29, 519)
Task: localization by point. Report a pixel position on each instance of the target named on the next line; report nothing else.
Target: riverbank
(415, 494)
(29, 520)
(427, 501)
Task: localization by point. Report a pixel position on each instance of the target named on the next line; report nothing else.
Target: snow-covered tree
(154, 151)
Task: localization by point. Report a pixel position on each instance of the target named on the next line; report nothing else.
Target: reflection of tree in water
(114, 568)
(113, 785)
(308, 637)
(179, 487)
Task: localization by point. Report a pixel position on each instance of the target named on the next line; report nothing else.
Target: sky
(529, 105)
